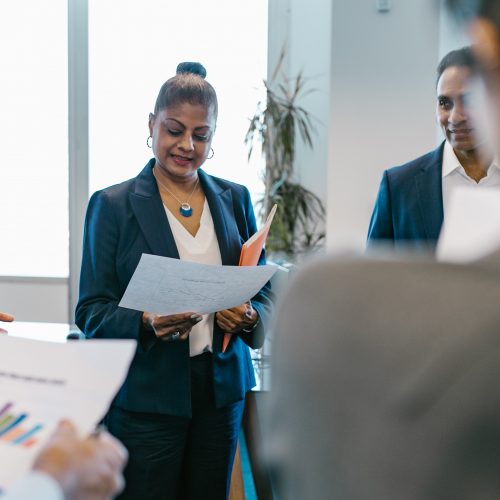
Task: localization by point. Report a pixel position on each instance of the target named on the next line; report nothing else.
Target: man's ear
(485, 43)
(151, 122)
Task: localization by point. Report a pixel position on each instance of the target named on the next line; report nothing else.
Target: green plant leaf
(277, 123)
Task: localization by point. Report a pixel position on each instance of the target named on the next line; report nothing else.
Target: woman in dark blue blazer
(180, 408)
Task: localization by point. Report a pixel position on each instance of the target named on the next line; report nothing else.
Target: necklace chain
(168, 190)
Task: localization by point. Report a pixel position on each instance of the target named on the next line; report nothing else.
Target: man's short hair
(461, 57)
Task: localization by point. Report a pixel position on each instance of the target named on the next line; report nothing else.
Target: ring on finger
(172, 337)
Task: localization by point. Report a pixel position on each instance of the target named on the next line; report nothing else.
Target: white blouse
(202, 248)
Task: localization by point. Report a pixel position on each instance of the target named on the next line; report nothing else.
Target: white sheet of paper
(471, 229)
(161, 285)
(42, 382)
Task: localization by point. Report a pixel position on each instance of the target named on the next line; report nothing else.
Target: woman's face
(182, 136)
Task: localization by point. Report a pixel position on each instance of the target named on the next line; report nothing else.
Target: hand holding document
(250, 254)
(471, 229)
(43, 382)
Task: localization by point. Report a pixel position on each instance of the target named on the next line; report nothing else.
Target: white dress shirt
(454, 175)
(202, 248)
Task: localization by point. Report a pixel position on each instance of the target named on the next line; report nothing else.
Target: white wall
(304, 30)
(451, 33)
(310, 52)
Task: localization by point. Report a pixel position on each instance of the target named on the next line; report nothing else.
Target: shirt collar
(450, 160)
(451, 163)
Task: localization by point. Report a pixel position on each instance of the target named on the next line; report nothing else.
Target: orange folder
(250, 253)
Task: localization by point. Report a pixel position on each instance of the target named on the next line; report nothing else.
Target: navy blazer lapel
(429, 184)
(150, 214)
(220, 202)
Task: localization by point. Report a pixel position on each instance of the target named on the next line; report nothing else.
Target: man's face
(453, 108)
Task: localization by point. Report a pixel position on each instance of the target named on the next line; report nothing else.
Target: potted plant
(277, 123)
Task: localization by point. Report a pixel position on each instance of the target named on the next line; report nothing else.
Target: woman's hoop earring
(147, 142)
(212, 154)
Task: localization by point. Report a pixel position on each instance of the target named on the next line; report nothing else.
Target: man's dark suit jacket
(122, 223)
(409, 206)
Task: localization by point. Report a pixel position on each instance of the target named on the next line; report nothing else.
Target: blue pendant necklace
(185, 208)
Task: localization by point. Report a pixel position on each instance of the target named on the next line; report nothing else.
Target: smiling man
(412, 198)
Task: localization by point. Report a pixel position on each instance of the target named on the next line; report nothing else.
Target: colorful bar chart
(15, 429)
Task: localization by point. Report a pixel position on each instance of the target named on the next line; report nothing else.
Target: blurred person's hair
(467, 9)
(461, 57)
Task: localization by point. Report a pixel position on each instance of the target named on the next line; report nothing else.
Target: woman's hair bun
(191, 67)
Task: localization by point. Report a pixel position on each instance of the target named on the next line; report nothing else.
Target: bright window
(136, 46)
(34, 138)
(133, 48)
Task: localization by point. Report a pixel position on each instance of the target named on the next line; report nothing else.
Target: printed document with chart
(42, 382)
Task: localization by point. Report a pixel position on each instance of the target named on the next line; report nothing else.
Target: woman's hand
(235, 319)
(173, 327)
(6, 317)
